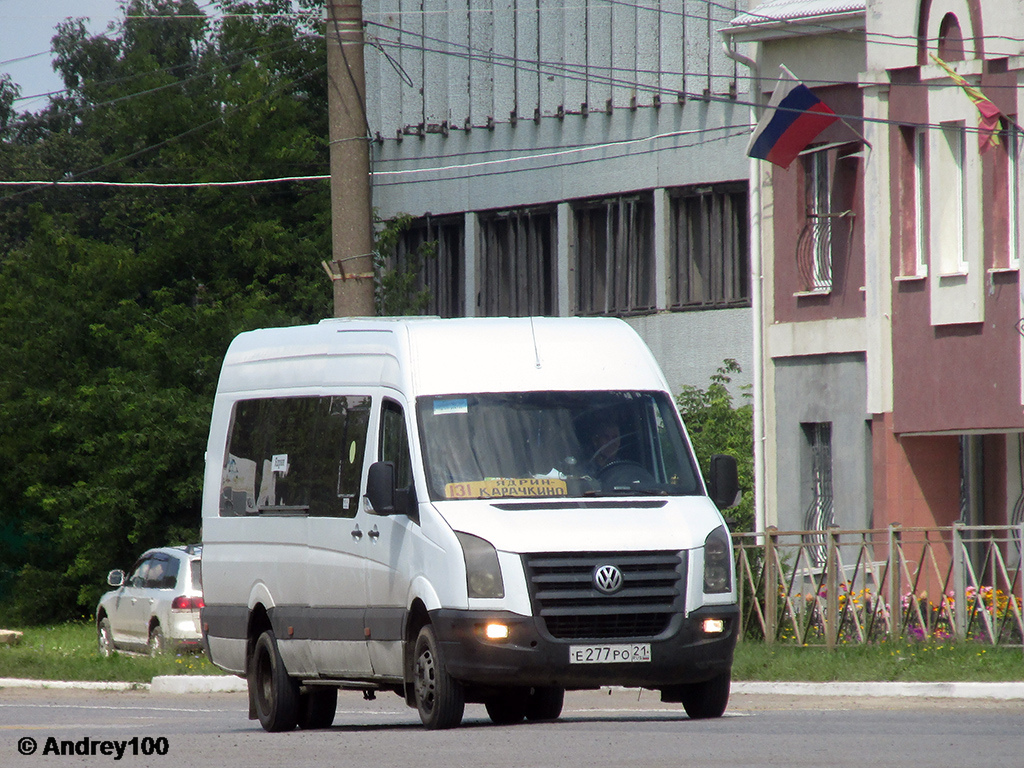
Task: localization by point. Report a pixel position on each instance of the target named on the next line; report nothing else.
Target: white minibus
(460, 511)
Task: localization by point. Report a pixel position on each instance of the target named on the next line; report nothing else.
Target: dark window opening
(709, 257)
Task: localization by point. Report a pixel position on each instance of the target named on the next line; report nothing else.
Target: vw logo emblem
(607, 579)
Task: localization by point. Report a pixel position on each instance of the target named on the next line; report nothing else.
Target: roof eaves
(792, 18)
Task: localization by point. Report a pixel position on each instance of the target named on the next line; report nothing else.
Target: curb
(160, 684)
(197, 684)
(16, 682)
(180, 684)
(1001, 691)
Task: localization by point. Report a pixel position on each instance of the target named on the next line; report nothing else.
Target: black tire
(545, 703)
(273, 692)
(156, 641)
(105, 636)
(317, 708)
(708, 699)
(509, 707)
(439, 697)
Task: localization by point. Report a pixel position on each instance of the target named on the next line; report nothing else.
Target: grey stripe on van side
(230, 621)
(310, 623)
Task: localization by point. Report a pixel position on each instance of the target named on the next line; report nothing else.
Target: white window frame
(949, 200)
(920, 157)
(1014, 223)
(820, 205)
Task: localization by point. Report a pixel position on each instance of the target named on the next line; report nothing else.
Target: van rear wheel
(275, 694)
(439, 697)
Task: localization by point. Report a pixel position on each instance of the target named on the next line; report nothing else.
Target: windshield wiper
(623, 491)
(283, 509)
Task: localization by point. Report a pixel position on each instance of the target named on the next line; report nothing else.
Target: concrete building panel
(822, 390)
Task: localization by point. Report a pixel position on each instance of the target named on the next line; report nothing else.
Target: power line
(61, 113)
(163, 184)
(262, 97)
(498, 166)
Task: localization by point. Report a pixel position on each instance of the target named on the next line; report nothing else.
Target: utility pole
(351, 269)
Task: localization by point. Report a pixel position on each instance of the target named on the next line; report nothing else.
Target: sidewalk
(231, 684)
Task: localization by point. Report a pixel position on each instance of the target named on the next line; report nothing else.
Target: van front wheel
(545, 703)
(275, 694)
(707, 699)
(317, 708)
(440, 699)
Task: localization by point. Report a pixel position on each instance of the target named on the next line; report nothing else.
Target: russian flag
(792, 119)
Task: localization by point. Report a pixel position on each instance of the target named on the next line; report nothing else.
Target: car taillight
(182, 603)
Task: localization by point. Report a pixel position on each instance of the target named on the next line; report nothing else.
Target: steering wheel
(623, 473)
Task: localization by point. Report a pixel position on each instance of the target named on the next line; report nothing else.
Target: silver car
(156, 607)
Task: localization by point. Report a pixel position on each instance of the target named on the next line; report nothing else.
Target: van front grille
(564, 594)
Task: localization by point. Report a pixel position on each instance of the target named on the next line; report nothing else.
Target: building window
(615, 255)
(517, 262)
(815, 245)
(949, 191)
(709, 257)
(951, 39)
(819, 514)
(433, 249)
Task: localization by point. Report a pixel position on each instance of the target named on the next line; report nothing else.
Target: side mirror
(380, 487)
(116, 578)
(723, 481)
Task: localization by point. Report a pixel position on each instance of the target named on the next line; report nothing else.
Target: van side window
(295, 455)
(394, 443)
(394, 447)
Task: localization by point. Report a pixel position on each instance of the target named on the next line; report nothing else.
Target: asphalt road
(620, 728)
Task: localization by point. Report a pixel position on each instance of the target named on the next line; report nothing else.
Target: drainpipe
(756, 291)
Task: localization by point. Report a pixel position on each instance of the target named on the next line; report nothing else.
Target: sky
(26, 27)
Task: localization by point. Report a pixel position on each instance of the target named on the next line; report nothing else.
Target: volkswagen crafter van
(471, 510)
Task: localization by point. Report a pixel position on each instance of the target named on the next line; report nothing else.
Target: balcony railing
(824, 241)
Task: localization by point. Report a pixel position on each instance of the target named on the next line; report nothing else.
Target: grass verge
(69, 652)
(924, 662)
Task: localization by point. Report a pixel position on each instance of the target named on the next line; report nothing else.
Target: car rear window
(163, 572)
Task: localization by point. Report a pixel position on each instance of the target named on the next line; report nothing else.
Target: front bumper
(531, 657)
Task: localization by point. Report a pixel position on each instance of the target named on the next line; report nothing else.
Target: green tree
(117, 304)
(398, 288)
(716, 425)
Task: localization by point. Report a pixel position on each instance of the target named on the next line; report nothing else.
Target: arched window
(951, 39)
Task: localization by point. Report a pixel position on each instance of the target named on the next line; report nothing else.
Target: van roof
(425, 356)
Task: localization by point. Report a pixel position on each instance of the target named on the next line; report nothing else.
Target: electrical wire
(497, 167)
(33, 120)
(75, 176)
(569, 71)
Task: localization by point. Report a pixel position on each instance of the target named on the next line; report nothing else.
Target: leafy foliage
(116, 304)
(398, 289)
(715, 426)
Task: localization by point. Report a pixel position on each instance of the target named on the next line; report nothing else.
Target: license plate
(609, 654)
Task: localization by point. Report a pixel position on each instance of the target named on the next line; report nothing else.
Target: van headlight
(717, 562)
(483, 574)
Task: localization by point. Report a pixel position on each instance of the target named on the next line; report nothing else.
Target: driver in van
(606, 441)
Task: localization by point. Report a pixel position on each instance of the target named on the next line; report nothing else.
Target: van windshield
(549, 444)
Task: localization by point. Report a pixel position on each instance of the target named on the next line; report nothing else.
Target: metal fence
(837, 587)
